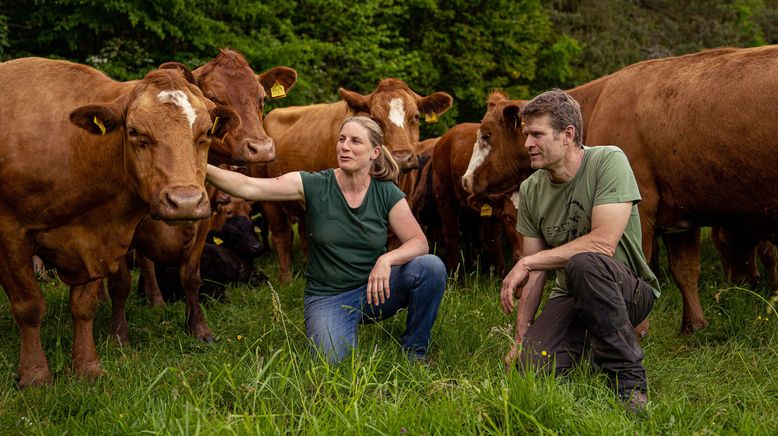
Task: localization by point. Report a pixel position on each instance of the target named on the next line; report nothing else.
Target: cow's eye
(133, 133)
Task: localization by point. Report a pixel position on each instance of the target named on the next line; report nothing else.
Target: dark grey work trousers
(606, 300)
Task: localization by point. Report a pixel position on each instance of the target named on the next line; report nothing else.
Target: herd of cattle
(94, 169)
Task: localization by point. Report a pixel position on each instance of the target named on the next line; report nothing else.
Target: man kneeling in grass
(578, 214)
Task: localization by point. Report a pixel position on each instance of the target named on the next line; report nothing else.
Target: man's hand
(513, 283)
(378, 282)
(510, 358)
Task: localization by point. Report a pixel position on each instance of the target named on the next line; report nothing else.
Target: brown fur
(306, 137)
(449, 163)
(697, 130)
(74, 196)
(229, 80)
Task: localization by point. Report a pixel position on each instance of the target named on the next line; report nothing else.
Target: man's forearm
(556, 258)
(529, 302)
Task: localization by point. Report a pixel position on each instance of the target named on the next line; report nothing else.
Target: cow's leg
(281, 234)
(766, 252)
(150, 285)
(683, 251)
(449, 217)
(83, 305)
(737, 249)
(119, 285)
(189, 274)
(493, 238)
(28, 309)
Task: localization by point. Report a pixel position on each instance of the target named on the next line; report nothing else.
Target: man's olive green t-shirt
(344, 242)
(561, 212)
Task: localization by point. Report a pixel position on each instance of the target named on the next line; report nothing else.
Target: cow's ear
(180, 67)
(224, 119)
(356, 102)
(283, 76)
(510, 114)
(97, 119)
(495, 97)
(438, 103)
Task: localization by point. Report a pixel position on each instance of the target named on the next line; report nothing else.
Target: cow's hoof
(34, 377)
(204, 334)
(121, 338)
(285, 278)
(157, 302)
(689, 327)
(89, 370)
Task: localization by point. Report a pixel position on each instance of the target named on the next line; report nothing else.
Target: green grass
(258, 377)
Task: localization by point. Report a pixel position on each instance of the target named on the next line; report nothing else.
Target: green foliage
(462, 47)
(616, 33)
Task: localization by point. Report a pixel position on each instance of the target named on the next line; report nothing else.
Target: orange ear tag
(431, 118)
(99, 124)
(486, 210)
(277, 91)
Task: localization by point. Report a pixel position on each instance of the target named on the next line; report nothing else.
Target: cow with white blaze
(83, 159)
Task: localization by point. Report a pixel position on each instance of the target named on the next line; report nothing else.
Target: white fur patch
(515, 199)
(397, 112)
(480, 152)
(179, 99)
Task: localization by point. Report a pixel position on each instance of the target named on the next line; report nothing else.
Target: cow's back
(43, 153)
(692, 125)
(305, 137)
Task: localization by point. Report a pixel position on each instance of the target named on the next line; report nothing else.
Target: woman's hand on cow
(378, 281)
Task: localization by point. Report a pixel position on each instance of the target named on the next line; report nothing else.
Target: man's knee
(579, 263)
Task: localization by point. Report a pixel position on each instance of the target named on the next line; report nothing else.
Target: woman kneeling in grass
(352, 279)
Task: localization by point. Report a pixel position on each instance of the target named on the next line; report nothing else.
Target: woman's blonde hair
(384, 166)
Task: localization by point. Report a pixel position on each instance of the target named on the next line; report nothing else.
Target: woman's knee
(429, 267)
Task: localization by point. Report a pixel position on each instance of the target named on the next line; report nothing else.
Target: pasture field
(258, 378)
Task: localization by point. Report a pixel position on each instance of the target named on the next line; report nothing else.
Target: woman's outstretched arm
(286, 187)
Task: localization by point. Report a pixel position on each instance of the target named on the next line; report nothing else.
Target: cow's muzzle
(182, 203)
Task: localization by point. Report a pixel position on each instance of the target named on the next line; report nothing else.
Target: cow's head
(397, 110)
(499, 161)
(164, 126)
(228, 80)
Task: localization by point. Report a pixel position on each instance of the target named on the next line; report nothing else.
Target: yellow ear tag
(217, 241)
(431, 118)
(486, 210)
(99, 124)
(278, 91)
(215, 125)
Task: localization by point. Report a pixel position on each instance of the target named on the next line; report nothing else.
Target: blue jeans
(331, 321)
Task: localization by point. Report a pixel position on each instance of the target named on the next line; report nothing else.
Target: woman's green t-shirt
(344, 242)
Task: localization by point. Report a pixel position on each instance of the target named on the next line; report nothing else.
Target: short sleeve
(313, 183)
(526, 223)
(615, 181)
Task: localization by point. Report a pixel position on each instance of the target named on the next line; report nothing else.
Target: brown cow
(84, 159)
(229, 80)
(306, 137)
(451, 161)
(686, 124)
